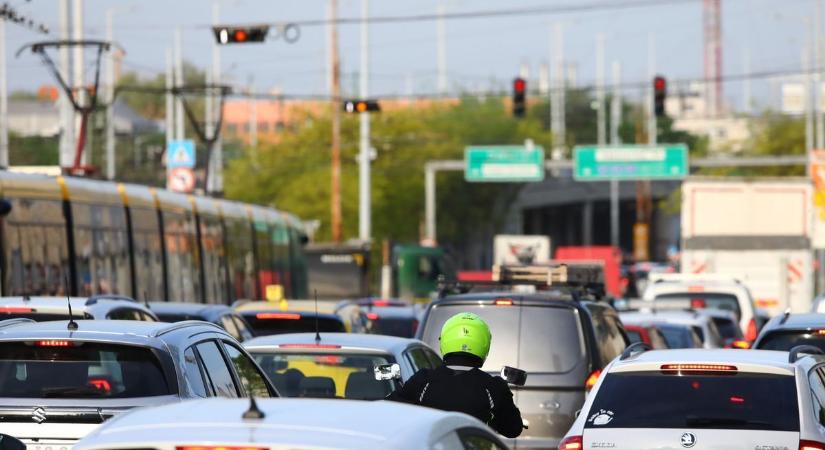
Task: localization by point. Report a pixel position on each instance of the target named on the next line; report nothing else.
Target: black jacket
(461, 386)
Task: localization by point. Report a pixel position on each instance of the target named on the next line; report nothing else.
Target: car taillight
(321, 346)
(697, 303)
(592, 379)
(751, 332)
(571, 443)
(504, 302)
(740, 344)
(15, 310)
(811, 445)
(54, 343)
(372, 316)
(278, 316)
(680, 368)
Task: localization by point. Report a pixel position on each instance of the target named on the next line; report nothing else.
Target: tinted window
(325, 375)
(192, 373)
(538, 324)
(678, 336)
(418, 359)
(243, 328)
(435, 360)
(817, 393)
(700, 300)
(216, 370)
(609, 338)
(177, 317)
(634, 336)
(71, 369)
(394, 326)
(251, 379)
(724, 401)
(786, 340)
(125, 314)
(728, 329)
(229, 325)
(292, 323)
(656, 338)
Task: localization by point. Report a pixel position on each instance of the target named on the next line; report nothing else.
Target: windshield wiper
(710, 422)
(74, 391)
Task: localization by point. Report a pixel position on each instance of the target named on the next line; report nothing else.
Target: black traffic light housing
(659, 95)
(519, 97)
(240, 35)
(359, 106)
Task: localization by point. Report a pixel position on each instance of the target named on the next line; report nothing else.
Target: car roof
(708, 286)
(324, 306)
(797, 322)
(209, 311)
(60, 304)
(395, 312)
(388, 344)
(124, 331)
(305, 423)
(667, 316)
(762, 361)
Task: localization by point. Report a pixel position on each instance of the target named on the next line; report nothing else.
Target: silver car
(61, 379)
(339, 364)
(99, 307)
(705, 399)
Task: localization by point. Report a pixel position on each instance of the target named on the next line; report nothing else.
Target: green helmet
(466, 332)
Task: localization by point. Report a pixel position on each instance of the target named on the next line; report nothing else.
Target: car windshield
(326, 375)
(677, 336)
(549, 339)
(267, 324)
(74, 369)
(700, 300)
(786, 340)
(721, 400)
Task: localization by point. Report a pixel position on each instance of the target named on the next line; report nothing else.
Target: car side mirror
(514, 376)
(387, 372)
(11, 443)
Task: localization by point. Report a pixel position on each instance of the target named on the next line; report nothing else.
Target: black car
(789, 330)
(221, 315)
(563, 344)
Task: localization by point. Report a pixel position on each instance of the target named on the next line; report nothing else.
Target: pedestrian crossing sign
(180, 153)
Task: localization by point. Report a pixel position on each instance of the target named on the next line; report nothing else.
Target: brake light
(53, 343)
(328, 359)
(738, 400)
(504, 302)
(697, 303)
(372, 316)
(212, 447)
(280, 316)
(740, 344)
(697, 368)
(571, 443)
(751, 332)
(15, 310)
(309, 346)
(380, 303)
(820, 332)
(101, 384)
(591, 380)
(811, 445)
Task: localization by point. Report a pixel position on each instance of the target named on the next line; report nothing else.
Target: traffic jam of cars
(692, 363)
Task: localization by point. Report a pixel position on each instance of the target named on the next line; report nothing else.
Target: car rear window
(728, 329)
(786, 340)
(717, 400)
(532, 338)
(701, 300)
(326, 375)
(74, 369)
(633, 336)
(177, 317)
(677, 336)
(266, 324)
(394, 326)
(38, 316)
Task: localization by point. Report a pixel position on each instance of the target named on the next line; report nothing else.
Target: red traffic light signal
(519, 97)
(240, 35)
(359, 106)
(519, 85)
(659, 95)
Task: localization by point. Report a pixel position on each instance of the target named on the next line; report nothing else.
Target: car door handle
(550, 405)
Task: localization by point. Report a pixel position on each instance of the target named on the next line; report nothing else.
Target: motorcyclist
(460, 385)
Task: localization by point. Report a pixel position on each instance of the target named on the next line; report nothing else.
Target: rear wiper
(709, 422)
(74, 391)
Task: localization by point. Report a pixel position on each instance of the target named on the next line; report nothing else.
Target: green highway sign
(504, 163)
(630, 162)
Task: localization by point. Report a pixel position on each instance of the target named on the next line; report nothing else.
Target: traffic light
(519, 97)
(659, 95)
(359, 106)
(240, 35)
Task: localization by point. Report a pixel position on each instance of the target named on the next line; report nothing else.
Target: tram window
(266, 264)
(101, 248)
(183, 277)
(213, 260)
(148, 253)
(297, 265)
(280, 249)
(241, 259)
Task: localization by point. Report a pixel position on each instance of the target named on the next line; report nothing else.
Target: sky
(482, 53)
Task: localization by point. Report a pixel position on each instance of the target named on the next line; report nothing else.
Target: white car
(705, 399)
(686, 291)
(290, 424)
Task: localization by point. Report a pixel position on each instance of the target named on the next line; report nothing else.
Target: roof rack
(793, 355)
(95, 298)
(14, 322)
(638, 347)
(565, 274)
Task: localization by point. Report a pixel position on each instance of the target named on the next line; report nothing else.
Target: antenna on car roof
(253, 412)
(317, 327)
(785, 316)
(146, 300)
(72, 325)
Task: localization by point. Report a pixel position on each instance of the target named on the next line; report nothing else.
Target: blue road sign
(180, 154)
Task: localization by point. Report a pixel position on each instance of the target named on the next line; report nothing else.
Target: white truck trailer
(758, 230)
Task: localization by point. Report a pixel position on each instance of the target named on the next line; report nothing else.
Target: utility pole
(4, 101)
(335, 188)
(615, 140)
(557, 94)
(809, 115)
(66, 109)
(216, 164)
(364, 183)
(170, 100)
(110, 97)
(817, 75)
(544, 80)
(651, 72)
(600, 109)
(747, 99)
(180, 120)
(78, 66)
(442, 49)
